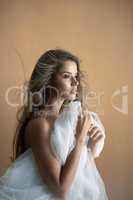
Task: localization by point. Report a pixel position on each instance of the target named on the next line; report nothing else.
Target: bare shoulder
(37, 129)
(38, 124)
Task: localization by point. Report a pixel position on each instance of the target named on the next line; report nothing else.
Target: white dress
(22, 180)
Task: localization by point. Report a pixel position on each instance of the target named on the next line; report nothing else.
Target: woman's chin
(72, 96)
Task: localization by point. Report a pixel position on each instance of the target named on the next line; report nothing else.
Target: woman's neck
(54, 107)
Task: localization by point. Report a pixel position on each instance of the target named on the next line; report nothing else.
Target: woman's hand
(96, 141)
(83, 125)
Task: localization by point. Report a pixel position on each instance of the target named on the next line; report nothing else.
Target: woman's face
(66, 80)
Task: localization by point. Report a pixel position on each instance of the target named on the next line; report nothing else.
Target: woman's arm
(96, 141)
(96, 136)
(58, 178)
(69, 169)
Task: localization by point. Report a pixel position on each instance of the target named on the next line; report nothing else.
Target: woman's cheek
(65, 86)
(65, 91)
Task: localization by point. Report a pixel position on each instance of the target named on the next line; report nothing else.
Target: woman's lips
(74, 91)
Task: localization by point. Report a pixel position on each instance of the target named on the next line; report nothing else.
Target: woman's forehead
(69, 66)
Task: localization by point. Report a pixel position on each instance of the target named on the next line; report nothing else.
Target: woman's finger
(93, 131)
(97, 139)
(97, 133)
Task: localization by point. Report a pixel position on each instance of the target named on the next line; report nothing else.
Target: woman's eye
(66, 76)
(69, 76)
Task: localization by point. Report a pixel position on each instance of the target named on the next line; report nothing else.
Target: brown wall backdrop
(101, 34)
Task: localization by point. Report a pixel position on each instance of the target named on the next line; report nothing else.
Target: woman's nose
(74, 81)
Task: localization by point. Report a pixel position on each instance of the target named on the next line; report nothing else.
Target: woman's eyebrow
(68, 72)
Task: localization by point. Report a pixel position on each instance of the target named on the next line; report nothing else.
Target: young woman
(56, 141)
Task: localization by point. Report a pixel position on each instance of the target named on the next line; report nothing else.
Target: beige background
(100, 33)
